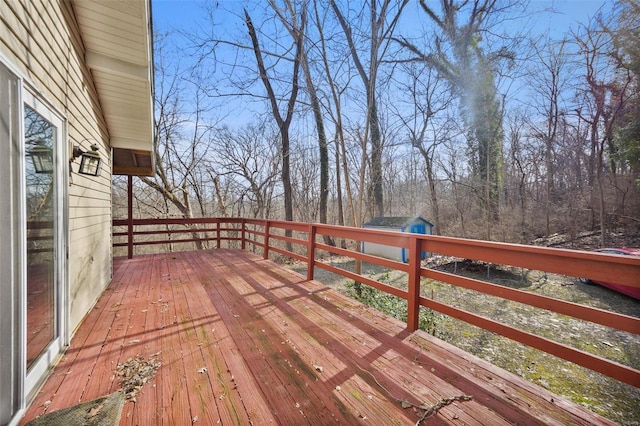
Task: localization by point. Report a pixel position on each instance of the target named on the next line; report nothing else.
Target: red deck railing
(270, 236)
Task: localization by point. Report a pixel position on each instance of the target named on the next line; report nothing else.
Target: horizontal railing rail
(40, 236)
(301, 241)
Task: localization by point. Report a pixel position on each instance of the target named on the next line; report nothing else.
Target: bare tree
(249, 158)
(459, 57)
(335, 112)
(382, 24)
(426, 130)
(604, 98)
(178, 157)
(283, 122)
(549, 79)
(292, 20)
(423, 112)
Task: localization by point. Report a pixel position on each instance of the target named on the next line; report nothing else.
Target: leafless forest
(462, 111)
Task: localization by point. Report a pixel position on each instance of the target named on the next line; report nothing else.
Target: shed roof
(117, 37)
(395, 221)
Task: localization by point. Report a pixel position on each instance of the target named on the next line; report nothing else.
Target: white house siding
(41, 40)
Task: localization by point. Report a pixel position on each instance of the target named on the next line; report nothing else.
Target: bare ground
(615, 400)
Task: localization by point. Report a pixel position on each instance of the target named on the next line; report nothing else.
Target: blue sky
(183, 14)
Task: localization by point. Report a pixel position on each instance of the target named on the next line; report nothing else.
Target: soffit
(117, 37)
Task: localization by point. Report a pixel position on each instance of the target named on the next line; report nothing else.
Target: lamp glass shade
(90, 164)
(42, 158)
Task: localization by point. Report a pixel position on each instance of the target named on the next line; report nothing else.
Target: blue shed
(416, 225)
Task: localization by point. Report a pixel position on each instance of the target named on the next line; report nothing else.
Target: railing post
(413, 296)
(267, 226)
(218, 234)
(130, 217)
(311, 251)
(242, 234)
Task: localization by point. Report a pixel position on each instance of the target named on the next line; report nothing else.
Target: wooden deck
(244, 341)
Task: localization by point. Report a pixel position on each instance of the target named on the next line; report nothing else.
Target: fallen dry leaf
(94, 411)
(135, 372)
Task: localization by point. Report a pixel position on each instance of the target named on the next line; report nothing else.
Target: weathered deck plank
(78, 362)
(204, 389)
(148, 411)
(283, 377)
(243, 341)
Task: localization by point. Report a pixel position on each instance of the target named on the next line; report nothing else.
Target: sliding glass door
(45, 249)
(40, 196)
(33, 242)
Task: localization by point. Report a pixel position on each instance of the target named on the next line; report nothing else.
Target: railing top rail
(577, 263)
(167, 221)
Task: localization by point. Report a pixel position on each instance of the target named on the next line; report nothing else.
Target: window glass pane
(40, 199)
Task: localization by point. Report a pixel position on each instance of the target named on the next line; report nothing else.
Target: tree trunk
(343, 243)
(283, 123)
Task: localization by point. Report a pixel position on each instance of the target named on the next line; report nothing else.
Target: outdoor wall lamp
(90, 161)
(42, 157)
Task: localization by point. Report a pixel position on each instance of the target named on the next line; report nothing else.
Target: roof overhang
(117, 37)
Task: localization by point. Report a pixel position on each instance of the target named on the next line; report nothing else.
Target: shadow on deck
(242, 340)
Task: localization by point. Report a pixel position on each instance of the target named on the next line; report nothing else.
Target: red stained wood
(40, 315)
(242, 340)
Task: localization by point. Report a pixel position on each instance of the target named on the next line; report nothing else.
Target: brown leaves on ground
(135, 372)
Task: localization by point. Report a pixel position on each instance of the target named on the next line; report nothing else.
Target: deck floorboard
(242, 340)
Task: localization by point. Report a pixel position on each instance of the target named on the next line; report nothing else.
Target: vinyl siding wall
(40, 39)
